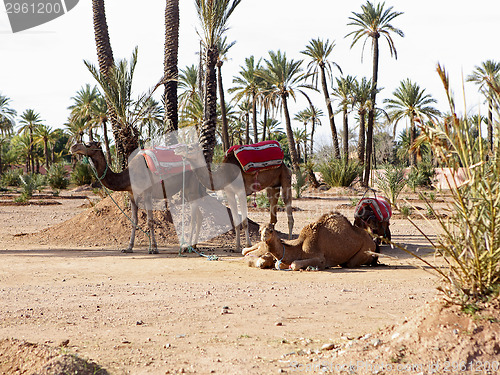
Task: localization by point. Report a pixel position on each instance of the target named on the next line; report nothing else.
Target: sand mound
(105, 225)
(439, 338)
(21, 357)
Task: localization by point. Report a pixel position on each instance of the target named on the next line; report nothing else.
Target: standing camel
(226, 174)
(143, 182)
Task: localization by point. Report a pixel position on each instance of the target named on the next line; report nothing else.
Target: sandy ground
(160, 314)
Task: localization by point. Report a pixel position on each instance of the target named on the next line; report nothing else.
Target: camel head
(267, 232)
(88, 149)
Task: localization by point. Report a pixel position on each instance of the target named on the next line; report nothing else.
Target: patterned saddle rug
(378, 206)
(258, 156)
(163, 161)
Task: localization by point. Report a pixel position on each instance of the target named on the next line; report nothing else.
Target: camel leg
(231, 200)
(151, 225)
(287, 199)
(361, 258)
(196, 221)
(273, 195)
(242, 199)
(318, 262)
(133, 209)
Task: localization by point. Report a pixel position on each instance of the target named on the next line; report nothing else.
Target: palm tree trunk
(106, 142)
(247, 128)
(346, 134)
(254, 120)
(289, 136)
(225, 131)
(411, 152)
(371, 114)
(170, 64)
(46, 153)
(331, 118)
(313, 127)
(361, 138)
(264, 124)
(207, 132)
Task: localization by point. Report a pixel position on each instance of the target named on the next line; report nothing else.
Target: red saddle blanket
(379, 206)
(162, 160)
(259, 156)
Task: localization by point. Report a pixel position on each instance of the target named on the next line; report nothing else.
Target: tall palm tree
(285, 77)
(7, 123)
(319, 51)
(410, 101)
(301, 138)
(373, 22)
(362, 93)
(223, 48)
(344, 92)
(125, 139)
(83, 106)
(44, 134)
(116, 87)
(488, 71)
(248, 85)
(170, 64)
(30, 120)
(213, 16)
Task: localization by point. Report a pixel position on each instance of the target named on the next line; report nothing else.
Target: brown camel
(225, 177)
(142, 176)
(330, 241)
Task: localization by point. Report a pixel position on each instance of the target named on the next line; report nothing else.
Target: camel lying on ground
(330, 241)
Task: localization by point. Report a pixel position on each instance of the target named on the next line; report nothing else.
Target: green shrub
(337, 172)
(82, 174)
(11, 177)
(300, 183)
(392, 182)
(30, 183)
(57, 176)
(421, 175)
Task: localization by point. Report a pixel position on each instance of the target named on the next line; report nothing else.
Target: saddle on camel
(375, 214)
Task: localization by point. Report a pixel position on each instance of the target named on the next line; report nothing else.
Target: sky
(42, 68)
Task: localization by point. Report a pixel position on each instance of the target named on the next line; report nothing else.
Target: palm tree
(319, 51)
(410, 101)
(7, 123)
(117, 89)
(285, 77)
(151, 116)
(488, 71)
(170, 64)
(83, 106)
(188, 84)
(306, 116)
(30, 120)
(213, 15)
(223, 48)
(345, 93)
(125, 140)
(44, 134)
(301, 138)
(373, 22)
(362, 92)
(248, 85)
(100, 118)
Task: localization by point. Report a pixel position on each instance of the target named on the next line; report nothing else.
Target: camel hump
(258, 156)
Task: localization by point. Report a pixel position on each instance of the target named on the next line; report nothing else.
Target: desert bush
(392, 182)
(57, 176)
(300, 183)
(421, 175)
(336, 172)
(30, 183)
(470, 239)
(82, 174)
(11, 177)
